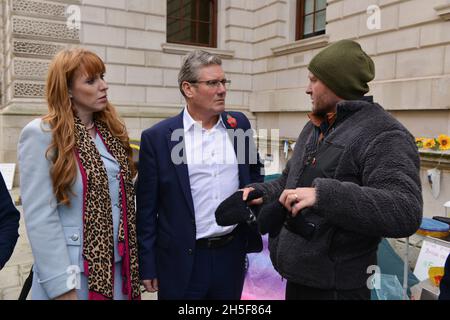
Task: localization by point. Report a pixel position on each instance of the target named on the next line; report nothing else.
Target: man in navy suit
(188, 165)
(9, 224)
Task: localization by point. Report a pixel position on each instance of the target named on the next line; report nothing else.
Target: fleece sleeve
(389, 201)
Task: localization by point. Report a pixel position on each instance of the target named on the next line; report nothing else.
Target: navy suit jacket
(9, 224)
(445, 282)
(165, 211)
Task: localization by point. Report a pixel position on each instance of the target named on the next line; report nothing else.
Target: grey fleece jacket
(375, 192)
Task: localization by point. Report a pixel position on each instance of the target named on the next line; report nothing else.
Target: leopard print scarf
(98, 242)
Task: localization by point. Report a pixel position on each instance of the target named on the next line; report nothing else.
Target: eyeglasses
(215, 83)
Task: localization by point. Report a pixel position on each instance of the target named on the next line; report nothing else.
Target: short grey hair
(192, 63)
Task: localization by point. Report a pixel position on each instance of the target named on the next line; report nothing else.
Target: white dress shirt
(213, 172)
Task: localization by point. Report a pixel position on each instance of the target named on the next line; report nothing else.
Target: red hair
(61, 114)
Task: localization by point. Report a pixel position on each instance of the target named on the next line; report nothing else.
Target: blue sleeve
(42, 220)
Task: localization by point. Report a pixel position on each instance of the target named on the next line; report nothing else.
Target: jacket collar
(346, 107)
(318, 120)
(343, 109)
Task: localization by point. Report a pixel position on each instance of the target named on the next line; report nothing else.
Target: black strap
(26, 286)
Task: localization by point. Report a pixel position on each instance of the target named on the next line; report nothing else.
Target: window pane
(178, 32)
(205, 10)
(173, 25)
(320, 21)
(191, 21)
(204, 33)
(321, 4)
(189, 9)
(309, 6)
(174, 8)
(308, 25)
(185, 32)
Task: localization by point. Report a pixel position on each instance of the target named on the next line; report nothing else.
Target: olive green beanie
(344, 68)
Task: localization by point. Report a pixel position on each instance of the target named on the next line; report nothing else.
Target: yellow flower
(429, 143)
(444, 142)
(420, 139)
(419, 142)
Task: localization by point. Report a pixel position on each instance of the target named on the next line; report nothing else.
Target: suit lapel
(230, 130)
(233, 139)
(182, 168)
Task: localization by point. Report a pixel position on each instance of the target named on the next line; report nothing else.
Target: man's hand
(71, 295)
(150, 285)
(254, 202)
(295, 200)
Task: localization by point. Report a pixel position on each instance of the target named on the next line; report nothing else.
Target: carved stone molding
(29, 89)
(38, 8)
(69, 1)
(302, 45)
(184, 49)
(44, 29)
(30, 69)
(35, 30)
(443, 11)
(36, 48)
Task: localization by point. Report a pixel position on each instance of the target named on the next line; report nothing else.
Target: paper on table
(432, 254)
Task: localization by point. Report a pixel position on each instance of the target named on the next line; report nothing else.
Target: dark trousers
(218, 273)
(295, 291)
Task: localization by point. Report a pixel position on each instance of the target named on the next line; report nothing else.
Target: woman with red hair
(76, 174)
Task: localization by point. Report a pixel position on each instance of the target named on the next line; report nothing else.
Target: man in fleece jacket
(353, 176)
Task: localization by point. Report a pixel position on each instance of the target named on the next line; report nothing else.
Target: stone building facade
(409, 41)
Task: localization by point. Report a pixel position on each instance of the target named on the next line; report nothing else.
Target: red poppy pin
(231, 121)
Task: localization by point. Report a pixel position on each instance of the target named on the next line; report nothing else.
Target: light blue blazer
(55, 232)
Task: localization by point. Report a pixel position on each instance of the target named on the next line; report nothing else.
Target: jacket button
(190, 251)
(74, 237)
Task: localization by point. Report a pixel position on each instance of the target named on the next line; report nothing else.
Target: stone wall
(130, 36)
(33, 31)
(142, 68)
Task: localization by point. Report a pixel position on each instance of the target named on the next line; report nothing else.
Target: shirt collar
(189, 122)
